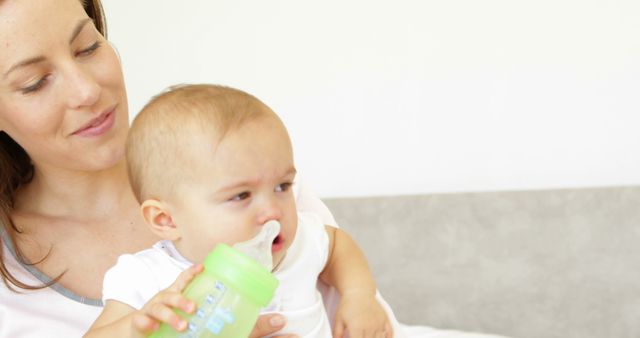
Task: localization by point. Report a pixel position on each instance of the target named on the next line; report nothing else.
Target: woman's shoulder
(55, 314)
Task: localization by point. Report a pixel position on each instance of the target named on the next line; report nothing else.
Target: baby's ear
(159, 220)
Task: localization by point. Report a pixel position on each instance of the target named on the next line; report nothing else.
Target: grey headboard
(555, 263)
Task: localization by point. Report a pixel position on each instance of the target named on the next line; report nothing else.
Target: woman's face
(62, 93)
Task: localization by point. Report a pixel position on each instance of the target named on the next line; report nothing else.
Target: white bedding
(331, 298)
(415, 331)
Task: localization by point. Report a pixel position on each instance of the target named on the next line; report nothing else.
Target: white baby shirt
(136, 278)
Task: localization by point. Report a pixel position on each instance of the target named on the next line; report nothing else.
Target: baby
(212, 164)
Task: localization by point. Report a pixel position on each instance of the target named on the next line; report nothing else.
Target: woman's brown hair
(16, 169)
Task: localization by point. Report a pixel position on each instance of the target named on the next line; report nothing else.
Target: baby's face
(243, 182)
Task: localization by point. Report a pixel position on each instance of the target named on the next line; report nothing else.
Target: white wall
(413, 96)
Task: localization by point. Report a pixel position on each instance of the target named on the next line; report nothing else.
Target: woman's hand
(268, 324)
(161, 307)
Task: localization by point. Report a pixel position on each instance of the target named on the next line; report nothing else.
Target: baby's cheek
(277, 258)
(291, 231)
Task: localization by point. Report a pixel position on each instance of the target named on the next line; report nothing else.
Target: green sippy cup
(229, 294)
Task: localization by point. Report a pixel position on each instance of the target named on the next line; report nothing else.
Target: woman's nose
(83, 89)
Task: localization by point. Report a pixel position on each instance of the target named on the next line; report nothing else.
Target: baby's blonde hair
(173, 122)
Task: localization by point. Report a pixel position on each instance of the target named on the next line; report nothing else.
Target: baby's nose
(269, 211)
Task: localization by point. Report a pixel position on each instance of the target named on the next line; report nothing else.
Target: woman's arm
(269, 324)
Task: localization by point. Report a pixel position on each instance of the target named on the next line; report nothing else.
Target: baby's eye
(241, 196)
(282, 187)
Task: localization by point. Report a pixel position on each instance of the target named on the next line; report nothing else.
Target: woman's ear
(159, 220)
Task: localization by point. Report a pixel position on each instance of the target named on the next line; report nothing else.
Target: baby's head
(211, 164)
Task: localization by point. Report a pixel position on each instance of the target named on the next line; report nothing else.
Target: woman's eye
(89, 50)
(241, 196)
(34, 87)
(282, 187)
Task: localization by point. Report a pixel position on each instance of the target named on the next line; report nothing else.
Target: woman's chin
(113, 159)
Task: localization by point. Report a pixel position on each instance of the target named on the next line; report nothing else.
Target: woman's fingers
(268, 324)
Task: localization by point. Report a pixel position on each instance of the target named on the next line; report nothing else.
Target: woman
(65, 202)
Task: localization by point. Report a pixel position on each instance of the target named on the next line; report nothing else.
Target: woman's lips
(99, 125)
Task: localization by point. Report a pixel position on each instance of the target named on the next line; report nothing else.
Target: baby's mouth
(262, 246)
(277, 246)
(277, 240)
(278, 243)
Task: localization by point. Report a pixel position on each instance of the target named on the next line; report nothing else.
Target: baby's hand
(362, 316)
(161, 307)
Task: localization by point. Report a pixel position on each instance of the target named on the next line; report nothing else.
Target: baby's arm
(121, 320)
(348, 271)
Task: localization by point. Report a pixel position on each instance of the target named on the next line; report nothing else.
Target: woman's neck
(76, 195)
